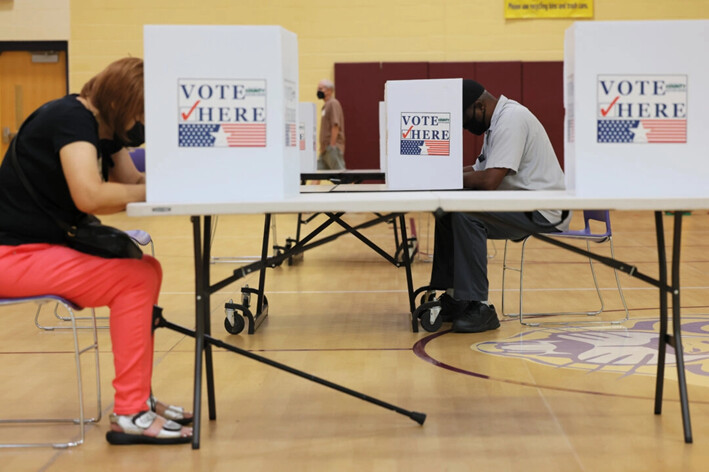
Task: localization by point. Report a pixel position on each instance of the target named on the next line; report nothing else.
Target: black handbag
(88, 235)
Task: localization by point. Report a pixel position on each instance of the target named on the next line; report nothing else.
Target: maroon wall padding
(359, 88)
(451, 70)
(543, 94)
(501, 78)
(403, 71)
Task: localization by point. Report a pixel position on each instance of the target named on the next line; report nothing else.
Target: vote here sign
(221, 113)
(425, 134)
(641, 108)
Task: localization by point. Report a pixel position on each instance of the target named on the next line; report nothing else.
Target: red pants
(129, 287)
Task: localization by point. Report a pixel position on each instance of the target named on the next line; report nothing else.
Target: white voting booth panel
(424, 134)
(307, 141)
(382, 137)
(637, 108)
(221, 111)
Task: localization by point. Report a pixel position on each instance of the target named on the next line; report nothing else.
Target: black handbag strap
(26, 183)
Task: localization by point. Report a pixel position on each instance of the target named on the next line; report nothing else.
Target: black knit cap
(471, 92)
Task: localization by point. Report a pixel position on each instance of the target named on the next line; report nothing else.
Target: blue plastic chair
(138, 156)
(81, 420)
(586, 234)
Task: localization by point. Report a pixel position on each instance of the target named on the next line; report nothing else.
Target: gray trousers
(331, 159)
(460, 248)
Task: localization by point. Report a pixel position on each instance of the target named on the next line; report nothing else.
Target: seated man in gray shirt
(516, 155)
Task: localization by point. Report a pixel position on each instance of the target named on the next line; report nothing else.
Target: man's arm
(334, 132)
(488, 179)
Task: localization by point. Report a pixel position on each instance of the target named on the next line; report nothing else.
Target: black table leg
(199, 329)
(202, 250)
(206, 311)
(677, 328)
(674, 340)
(258, 312)
(662, 340)
(405, 257)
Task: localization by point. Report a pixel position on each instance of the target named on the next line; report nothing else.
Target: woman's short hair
(117, 93)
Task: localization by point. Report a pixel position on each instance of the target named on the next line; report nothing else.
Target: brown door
(27, 80)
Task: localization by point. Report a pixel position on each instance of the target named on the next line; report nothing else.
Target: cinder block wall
(331, 31)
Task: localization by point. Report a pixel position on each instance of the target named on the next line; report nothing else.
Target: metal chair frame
(584, 235)
(81, 421)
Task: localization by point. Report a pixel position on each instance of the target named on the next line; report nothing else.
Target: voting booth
(424, 134)
(382, 137)
(221, 111)
(637, 108)
(307, 137)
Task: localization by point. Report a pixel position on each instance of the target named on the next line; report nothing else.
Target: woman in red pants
(73, 152)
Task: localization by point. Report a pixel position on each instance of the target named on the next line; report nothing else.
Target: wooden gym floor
(576, 398)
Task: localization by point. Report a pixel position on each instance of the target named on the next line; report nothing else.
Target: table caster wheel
(429, 314)
(235, 328)
(233, 322)
(431, 320)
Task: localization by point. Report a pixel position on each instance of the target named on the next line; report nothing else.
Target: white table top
(359, 198)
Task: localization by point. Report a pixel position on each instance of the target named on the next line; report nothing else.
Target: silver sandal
(133, 430)
(173, 413)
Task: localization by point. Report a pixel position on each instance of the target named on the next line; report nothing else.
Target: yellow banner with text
(548, 8)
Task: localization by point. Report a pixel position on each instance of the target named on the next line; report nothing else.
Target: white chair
(586, 235)
(80, 420)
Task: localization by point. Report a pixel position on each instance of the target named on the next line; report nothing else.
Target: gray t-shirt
(517, 141)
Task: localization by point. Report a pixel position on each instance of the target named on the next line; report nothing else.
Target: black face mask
(321, 94)
(135, 136)
(475, 126)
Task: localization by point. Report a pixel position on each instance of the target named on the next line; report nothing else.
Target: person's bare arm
(488, 179)
(89, 192)
(334, 132)
(124, 170)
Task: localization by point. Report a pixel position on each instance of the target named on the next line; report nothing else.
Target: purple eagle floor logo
(221, 113)
(625, 350)
(642, 109)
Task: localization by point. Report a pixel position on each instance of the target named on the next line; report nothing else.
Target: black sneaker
(451, 308)
(477, 318)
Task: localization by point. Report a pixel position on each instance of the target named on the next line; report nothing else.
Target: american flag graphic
(290, 135)
(222, 135)
(642, 131)
(427, 147)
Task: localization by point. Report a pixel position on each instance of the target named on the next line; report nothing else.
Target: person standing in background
(332, 129)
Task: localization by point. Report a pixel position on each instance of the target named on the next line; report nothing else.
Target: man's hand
(488, 179)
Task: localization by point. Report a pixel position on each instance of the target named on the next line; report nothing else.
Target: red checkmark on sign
(607, 110)
(409, 130)
(187, 115)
